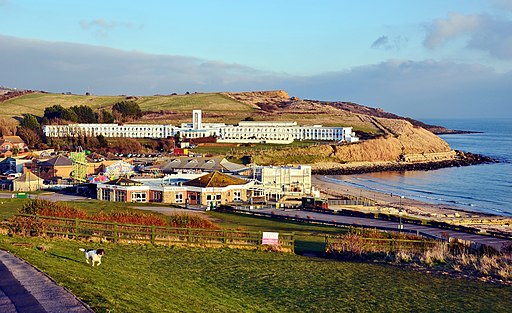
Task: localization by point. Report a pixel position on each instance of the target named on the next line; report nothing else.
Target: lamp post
(400, 225)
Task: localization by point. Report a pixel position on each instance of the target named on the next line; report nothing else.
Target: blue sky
(439, 58)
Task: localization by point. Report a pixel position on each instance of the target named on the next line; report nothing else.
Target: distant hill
(228, 107)
(391, 135)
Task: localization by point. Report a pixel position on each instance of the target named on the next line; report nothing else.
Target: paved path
(494, 242)
(24, 289)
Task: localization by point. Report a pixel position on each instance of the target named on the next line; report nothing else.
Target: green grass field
(146, 278)
(143, 278)
(36, 103)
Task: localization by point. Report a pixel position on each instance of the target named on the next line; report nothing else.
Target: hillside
(391, 136)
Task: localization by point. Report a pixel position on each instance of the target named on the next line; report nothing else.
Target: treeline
(30, 127)
(121, 112)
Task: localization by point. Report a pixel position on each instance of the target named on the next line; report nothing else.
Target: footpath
(24, 289)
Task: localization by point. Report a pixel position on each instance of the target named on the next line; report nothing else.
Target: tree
(105, 117)
(102, 141)
(55, 111)
(59, 112)
(7, 126)
(84, 114)
(30, 137)
(30, 121)
(127, 110)
(69, 115)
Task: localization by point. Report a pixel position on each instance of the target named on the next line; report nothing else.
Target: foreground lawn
(140, 278)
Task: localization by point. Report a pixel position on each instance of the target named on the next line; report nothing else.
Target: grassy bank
(139, 278)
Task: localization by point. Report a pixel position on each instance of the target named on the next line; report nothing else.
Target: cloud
(59, 66)
(380, 42)
(414, 88)
(483, 32)
(503, 4)
(101, 28)
(384, 42)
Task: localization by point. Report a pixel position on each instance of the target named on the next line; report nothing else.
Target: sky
(422, 59)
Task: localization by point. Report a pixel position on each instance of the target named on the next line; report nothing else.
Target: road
(497, 243)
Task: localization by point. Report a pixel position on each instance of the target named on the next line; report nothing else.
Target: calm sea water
(481, 188)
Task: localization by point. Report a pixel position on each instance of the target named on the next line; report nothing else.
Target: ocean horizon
(484, 188)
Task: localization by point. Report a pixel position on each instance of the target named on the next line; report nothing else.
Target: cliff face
(401, 139)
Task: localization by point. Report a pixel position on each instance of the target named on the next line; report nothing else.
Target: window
(208, 197)
(237, 195)
(157, 196)
(105, 194)
(218, 197)
(120, 196)
(179, 198)
(138, 197)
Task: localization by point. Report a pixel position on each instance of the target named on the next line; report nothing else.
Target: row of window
(120, 196)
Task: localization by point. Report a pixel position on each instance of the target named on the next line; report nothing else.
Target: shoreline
(462, 159)
(406, 207)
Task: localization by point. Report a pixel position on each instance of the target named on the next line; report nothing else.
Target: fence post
(153, 235)
(260, 240)
(225, 240)
(76, 228)
(293, 242)
(116, 234)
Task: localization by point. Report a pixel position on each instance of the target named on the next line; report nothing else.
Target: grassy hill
(398, 135)
(167, 108)
(217, 107)
(144, 278)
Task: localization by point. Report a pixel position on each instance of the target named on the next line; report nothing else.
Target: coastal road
(497, 243)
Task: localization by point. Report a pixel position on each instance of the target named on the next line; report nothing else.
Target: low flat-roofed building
(279, 181)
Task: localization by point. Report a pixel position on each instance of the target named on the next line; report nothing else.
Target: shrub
(190, 220)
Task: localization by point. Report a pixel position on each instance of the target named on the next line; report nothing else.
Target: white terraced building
(244, 132)
(110, 130)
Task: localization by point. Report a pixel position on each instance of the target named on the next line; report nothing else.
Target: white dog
(93, 255)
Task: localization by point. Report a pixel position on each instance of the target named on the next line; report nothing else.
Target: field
(147, 278)
(143, 278)
(211, 102)
(177, 109)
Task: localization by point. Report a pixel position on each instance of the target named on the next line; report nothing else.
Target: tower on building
(196, 119)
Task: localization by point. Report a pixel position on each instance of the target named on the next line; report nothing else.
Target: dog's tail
(82, 249)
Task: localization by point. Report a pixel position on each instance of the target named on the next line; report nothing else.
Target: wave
(461, 200)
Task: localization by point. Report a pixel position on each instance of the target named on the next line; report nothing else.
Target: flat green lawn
(143, 278)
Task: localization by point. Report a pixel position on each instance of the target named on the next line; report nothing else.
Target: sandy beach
(393, 204)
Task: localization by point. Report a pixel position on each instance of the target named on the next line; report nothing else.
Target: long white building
(244, 132)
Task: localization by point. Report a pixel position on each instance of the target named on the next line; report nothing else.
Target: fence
(35, 225)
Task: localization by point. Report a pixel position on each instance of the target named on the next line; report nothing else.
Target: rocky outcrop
(460, 159)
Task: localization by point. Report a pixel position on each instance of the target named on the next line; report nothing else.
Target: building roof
(28, 177)
(59, 160)
(122, 181)
(13, 139)
(200, 163)
(215, 179)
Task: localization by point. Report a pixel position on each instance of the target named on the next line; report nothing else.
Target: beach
(406, 207)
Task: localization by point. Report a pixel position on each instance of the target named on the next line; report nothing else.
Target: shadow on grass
(63, 257)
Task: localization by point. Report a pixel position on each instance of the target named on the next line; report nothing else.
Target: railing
(129, 233)
(241, 210)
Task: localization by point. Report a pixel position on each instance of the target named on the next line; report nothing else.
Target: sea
(484, 188)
